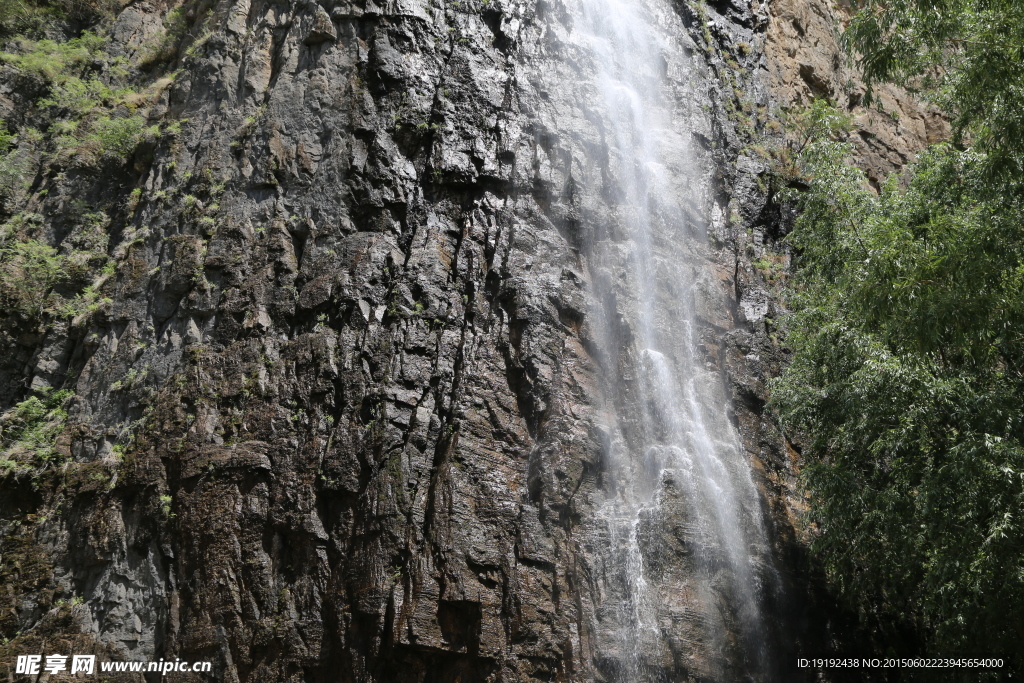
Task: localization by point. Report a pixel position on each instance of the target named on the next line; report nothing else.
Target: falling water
(676, 470)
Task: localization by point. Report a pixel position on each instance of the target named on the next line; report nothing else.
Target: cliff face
(334, 412)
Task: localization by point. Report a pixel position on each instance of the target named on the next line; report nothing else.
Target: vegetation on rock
(28, 432)
(26, 16)
(963, 54)
(91, 111)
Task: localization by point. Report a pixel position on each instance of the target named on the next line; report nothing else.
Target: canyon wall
(334, 414)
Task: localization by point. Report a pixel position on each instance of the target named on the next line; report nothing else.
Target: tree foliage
(906, 389)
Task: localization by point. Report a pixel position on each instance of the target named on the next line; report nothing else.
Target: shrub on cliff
(966, 55)
(93, 114)
(38, 280)
(19, 16)
(29, 430)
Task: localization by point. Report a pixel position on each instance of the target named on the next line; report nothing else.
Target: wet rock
(341, 417)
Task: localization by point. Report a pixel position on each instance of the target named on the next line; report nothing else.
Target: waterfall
(680, 528)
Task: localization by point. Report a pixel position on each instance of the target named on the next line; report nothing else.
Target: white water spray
(674, 457)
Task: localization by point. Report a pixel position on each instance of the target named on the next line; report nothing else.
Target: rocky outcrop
(335, 416)
(806, 62)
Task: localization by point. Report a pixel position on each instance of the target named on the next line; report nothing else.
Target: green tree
(906, 390)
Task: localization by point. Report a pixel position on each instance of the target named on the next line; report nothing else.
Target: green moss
(90, 477)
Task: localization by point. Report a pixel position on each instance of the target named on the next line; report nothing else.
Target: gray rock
(341, 416)
(321, 28)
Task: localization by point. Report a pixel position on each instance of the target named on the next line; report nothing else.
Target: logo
(34, 665)
(54, 664)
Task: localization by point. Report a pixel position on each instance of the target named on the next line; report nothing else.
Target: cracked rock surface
(339, 419)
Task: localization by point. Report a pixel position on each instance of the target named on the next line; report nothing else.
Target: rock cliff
(806, 61)
(309, 392)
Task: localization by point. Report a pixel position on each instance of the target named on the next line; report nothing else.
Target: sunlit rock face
(464, 381)
(805, 62)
